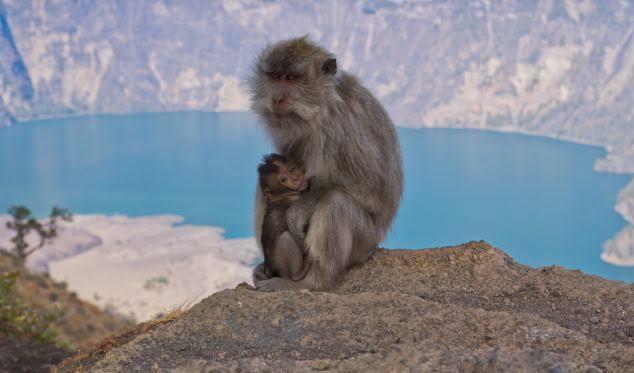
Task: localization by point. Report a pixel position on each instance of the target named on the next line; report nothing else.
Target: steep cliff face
(551, 67)
(5, 118)
(462, 308)
(16, 90)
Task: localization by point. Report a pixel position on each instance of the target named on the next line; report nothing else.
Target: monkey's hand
(276, 284)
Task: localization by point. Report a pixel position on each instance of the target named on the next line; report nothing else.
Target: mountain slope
(76, 322)
(16, 90)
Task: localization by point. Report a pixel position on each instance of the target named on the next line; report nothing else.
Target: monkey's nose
(278, 99)
(279, 103)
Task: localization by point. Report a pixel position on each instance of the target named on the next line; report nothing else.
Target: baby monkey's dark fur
(283, 232)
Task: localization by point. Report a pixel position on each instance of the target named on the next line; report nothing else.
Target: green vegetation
(24, 224)
(17, 319)
(41, 321)
(156, 283)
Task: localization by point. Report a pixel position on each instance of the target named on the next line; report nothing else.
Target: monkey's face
(291, 177)
(292, 78)
(280, 178)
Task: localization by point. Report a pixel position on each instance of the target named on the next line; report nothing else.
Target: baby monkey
(284, 186)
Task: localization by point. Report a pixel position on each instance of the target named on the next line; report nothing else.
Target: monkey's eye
(275, 76)
(291, 76)
(284, 178)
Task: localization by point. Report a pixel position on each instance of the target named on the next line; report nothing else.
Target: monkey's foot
(276, 284)
(259, 273)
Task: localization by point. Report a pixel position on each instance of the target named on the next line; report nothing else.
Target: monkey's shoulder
(348, 85)
(355, 94)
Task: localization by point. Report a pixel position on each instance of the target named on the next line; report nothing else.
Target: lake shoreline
(623, 240)
(619, 242)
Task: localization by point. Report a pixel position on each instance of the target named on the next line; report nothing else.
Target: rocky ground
(463, 308)
(19, 355)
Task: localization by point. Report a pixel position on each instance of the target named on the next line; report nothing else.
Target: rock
(405, 309)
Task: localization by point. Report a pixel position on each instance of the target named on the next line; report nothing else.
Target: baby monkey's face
(281, 178)
(291, 177)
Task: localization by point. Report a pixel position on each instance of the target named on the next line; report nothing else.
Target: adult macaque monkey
(348, 145)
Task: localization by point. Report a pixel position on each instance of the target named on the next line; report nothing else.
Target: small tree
(23, 224)
(18, 319)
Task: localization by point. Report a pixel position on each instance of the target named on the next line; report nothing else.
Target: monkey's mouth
(281, 112)
(285, 116)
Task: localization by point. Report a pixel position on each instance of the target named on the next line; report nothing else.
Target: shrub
(18, 319)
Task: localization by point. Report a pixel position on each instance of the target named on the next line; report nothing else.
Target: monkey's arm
(297, 222)
(298, 217)
(307, 262)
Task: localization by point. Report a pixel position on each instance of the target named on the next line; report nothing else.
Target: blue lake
(536, 198)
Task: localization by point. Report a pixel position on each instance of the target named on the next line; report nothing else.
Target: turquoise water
(536, 198)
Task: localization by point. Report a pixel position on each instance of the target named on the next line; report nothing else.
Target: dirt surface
(18, 355)
(464, 308)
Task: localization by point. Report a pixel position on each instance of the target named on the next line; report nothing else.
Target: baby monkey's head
(280, 178)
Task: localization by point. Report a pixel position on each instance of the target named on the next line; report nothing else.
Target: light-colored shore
(619, 250)
(142, 266)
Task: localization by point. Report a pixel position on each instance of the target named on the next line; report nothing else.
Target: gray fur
(349, 148)
(286, 259)
(298, 215)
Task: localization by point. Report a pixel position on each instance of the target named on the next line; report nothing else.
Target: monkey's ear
(330, 66)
